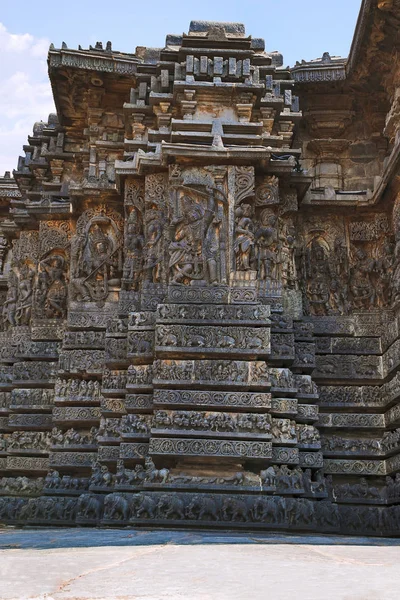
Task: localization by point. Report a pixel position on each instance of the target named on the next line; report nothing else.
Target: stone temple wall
(200, 287)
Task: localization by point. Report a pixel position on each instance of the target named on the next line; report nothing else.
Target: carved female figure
(56, 292)
(318, 278)
(96, 258)
(24, 306)
(339, 258)
(244, 241)
(10, 304)
(194, 218)
(153, 248)
(211, 248)
(181, 254)
(134, 243)
(383, 272)
(360, 282)
(194, 214)
(267, 249)
(195, 247)
(3, 252)
(286, 256)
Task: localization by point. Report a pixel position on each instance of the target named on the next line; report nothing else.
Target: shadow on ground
(43, 539)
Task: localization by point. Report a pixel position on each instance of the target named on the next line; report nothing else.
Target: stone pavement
(77, 564)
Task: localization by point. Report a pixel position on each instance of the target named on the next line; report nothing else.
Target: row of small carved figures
(67, 388)
(218, 370)
(84, 338)
(389, 441)
(75, 388)
(90, 390)
(280, 478)
(27, 398)
(217, 313)
(211, 370)
(28, 348)
(222, 338)
(279, 377)
(72, 437)
(221, 370)
(213, 421)
(281, 345)
(21, 440)
(362, 395)
(43, 440)
(280, 429)
(367, 491)
(21, 485)
(212, 312)
(270, 511)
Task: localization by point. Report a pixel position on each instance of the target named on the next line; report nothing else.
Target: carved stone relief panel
(96, 255)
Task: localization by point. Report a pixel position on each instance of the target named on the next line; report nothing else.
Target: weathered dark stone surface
(200, 288)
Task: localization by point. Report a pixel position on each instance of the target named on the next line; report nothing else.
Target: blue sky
(297, 28)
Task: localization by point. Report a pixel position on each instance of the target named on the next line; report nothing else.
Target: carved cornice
(366, 10)
(121, 64)
(367, 35)
(324, 70)
(9, 188)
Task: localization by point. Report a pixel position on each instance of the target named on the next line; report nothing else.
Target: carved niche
(17, 308)
(51, 290)
(133, 234)
(96, 255)
(197, 228)
(346, 267)
(264, 241)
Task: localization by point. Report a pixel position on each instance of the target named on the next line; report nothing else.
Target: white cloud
(25, 92)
